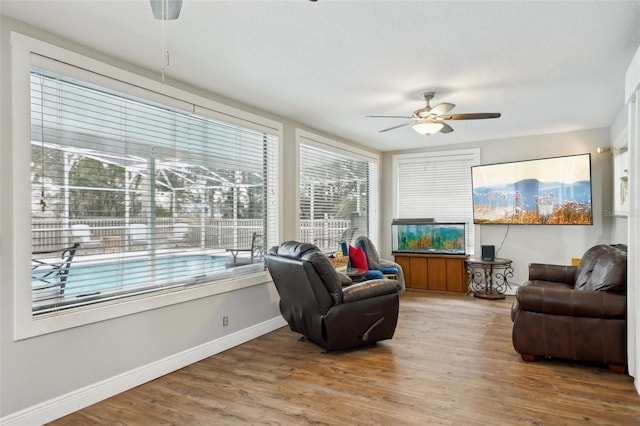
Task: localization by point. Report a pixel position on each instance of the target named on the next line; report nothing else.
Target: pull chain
(165, 37)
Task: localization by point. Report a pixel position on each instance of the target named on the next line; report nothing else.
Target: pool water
(86, 279)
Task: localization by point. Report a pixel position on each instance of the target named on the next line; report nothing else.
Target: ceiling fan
(429, 120)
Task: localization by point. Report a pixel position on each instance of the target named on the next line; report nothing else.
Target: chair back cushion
(373, 259)
(322, 266)
(602, 267)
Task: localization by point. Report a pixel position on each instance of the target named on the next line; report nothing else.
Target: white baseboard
(78, 399)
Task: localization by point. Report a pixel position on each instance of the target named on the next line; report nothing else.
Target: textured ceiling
(546, 66)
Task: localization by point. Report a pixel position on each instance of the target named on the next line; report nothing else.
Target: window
(436, 185)
(337, 192)
(153, 195)
(138, 199)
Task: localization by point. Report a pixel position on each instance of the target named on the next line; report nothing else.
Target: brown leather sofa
(577, 313)
(315, 304)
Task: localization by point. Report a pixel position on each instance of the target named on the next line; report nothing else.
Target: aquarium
(427, 237)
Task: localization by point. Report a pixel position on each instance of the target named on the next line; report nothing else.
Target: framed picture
(621, 181)
(544, 191)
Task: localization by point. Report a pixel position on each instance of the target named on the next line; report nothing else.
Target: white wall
(533, 243)
(617, 133)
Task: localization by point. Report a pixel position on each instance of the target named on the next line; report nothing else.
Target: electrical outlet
(225, 321)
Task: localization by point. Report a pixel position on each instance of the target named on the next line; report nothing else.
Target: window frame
(23, 49)
(303, 137)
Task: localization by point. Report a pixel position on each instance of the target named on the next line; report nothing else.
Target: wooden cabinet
(433, 272)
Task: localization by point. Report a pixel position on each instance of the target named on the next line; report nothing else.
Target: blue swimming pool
(111, 276)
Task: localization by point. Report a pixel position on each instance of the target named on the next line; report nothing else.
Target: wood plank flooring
(451, 362)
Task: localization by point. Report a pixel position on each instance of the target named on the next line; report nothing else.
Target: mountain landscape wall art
(548, 191)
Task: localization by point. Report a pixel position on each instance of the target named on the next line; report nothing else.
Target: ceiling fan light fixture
(166, 10)
(427, 127)
(429, 120)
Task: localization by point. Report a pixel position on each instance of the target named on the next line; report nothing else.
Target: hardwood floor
(451, 362)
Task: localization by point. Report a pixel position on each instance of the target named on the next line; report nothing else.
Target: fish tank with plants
(427, 237)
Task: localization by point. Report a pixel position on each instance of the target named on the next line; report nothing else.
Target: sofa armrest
(569, 302)
(368, 289)
(554, 273)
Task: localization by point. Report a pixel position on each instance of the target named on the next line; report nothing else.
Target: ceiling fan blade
(442, 108)
(446, 128)
(387, 116)
(471, 116)
(395, 127)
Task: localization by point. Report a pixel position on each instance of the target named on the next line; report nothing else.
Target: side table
(489, 279)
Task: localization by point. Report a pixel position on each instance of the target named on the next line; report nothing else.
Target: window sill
(30, 326)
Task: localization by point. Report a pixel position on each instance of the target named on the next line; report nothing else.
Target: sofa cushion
(601, 255)
(588, 261)
(390, 270)
(358, 258)
(373, 274)
(608, 274)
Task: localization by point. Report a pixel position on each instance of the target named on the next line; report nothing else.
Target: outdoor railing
(51, 234)
(325, 233)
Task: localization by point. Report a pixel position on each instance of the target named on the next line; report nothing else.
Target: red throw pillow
(358, 258)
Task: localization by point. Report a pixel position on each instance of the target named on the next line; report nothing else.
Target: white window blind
(337, 195)
(132, 197)
(436, 185)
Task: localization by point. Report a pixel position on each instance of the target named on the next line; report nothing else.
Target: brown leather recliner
(315, 304)
(577, 313)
